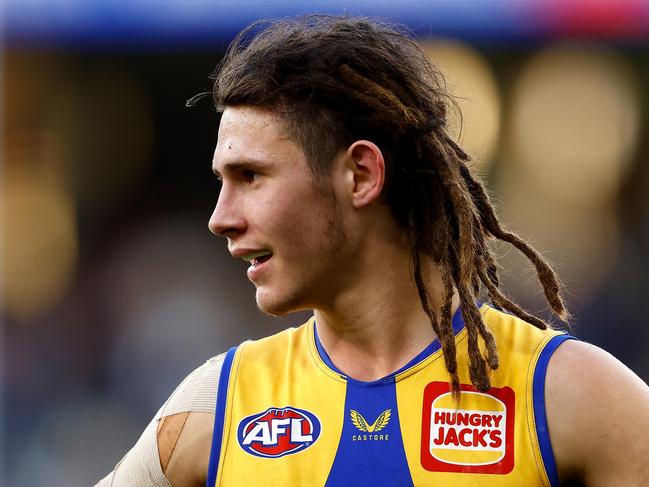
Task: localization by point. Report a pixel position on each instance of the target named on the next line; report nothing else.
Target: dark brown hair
(334, 80)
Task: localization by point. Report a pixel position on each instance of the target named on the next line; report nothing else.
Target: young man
(343, 190)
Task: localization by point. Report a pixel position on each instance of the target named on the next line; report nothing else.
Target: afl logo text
(278, 431)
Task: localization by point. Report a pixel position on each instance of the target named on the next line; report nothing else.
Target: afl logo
(278, 431)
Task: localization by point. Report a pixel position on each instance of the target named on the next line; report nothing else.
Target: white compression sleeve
(140, 467)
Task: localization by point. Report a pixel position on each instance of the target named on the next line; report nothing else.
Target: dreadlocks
(333, 80)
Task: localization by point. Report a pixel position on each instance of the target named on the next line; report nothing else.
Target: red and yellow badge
(477, 437)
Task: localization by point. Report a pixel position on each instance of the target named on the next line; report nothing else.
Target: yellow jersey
(286, 416)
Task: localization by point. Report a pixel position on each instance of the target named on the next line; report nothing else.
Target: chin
(278, 304)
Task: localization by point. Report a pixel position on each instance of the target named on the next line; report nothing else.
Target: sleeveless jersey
(286, 416)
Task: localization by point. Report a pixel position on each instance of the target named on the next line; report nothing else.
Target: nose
(227, 219)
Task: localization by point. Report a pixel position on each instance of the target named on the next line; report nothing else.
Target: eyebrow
(238, 165)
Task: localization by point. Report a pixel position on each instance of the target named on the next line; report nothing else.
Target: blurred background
(112, 287)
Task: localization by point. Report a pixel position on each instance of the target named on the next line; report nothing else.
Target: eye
(250, 176)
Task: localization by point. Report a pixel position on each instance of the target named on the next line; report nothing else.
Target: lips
(260, 260)
(257, 258)
(257, 266)
(251, 255)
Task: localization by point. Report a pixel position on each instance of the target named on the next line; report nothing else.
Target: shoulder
(171, 447)
(197, 392)
(513, 333)
(187, 419)
(184, 445)
(598, 416)
(184, 430)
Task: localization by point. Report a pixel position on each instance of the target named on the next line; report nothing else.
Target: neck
(377, 326)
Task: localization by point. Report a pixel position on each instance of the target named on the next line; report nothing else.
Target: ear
(367, 168)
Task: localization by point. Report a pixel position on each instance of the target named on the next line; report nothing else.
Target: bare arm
(184, 442)
(598, 417)
(174, 448)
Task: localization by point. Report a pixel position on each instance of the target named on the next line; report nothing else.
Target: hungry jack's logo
(362, 425)
(477, 437)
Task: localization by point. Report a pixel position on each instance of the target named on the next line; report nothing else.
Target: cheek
(299, 221)
(290, 208)
(281, 223)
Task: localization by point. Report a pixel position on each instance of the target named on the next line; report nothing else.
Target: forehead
(250, 133)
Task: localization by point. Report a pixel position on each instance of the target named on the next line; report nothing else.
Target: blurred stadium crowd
(113, 289)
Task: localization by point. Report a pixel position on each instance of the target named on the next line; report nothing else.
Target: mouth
(257, 258)
(257, 261)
